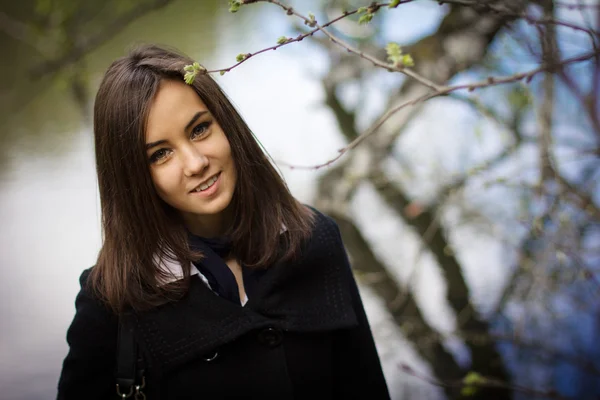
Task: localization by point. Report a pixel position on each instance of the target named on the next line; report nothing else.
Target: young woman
(230, 287)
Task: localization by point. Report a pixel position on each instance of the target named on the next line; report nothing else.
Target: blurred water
(50, 232)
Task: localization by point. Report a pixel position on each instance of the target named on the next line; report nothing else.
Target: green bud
(312, 22)
(221, 73)
(396, 58)
(407, 60)
(282, 40)
(234, 5)
(394, 4)
(394, 52)
(473, 378)
(191, 70)
(241, 57)
(519, 97)
(365, 19)
(468, 391)
(189, 77)
(362, 10)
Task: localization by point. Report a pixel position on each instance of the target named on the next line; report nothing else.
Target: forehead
(172, 108)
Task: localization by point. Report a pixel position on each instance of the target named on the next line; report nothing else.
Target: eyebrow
(195, 118)
(187, 127)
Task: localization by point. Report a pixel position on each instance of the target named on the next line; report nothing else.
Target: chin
(217, 206)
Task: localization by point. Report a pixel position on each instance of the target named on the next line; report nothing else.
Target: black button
(270, 336)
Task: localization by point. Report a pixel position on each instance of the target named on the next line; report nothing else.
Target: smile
(207, 185)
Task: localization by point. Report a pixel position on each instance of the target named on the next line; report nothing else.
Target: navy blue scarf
(213, 267)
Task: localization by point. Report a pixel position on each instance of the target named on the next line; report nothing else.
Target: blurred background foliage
(59, 49)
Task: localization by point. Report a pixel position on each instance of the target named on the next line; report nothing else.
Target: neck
(208, 226)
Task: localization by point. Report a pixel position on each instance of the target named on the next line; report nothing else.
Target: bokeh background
(472, 220)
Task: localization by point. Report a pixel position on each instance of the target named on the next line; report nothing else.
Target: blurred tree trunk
(460, 42)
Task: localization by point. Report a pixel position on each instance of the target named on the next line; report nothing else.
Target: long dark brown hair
(139, 229)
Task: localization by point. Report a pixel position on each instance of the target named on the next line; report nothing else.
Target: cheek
(164, 183)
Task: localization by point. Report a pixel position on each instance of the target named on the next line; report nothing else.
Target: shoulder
(86, 288)
(313, 291)
(84, 278)
(94, 326)
(89, 307)
(324, 226)
(324, 250)
(92, 339)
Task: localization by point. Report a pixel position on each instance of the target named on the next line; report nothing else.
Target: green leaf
(519, 97)
(468, 391)
(473, 378)
(394, 52)
(234, 5)
(189, 77)
(191, 70)
(365, 19)
(362, 10)
(282, 40)
(407, 60)
(395, 56)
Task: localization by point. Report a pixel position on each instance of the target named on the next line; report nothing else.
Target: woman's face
(189, 155)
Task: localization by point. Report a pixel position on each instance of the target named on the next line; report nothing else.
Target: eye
(159, 155)
(200, 130)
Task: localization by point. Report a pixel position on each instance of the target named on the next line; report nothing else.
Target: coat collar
(308, 295)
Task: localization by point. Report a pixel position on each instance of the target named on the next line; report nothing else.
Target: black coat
(303, 335)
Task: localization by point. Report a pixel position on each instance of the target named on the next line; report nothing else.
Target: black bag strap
(129, 371)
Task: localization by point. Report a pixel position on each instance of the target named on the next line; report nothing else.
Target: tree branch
(491, 81)
(483, 382)
(87, 44)
(19, 31)
(484, 358)
(546, 110)
(399, 302)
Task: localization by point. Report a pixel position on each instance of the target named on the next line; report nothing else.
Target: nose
(193, 160)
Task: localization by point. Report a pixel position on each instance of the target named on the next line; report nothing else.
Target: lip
(211, 190)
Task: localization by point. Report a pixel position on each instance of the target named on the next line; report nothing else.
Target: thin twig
(483, 382)
(572, 6)
(491, 81)
(541, 21)
(341, 43)
(287, 42)
(375, 61)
